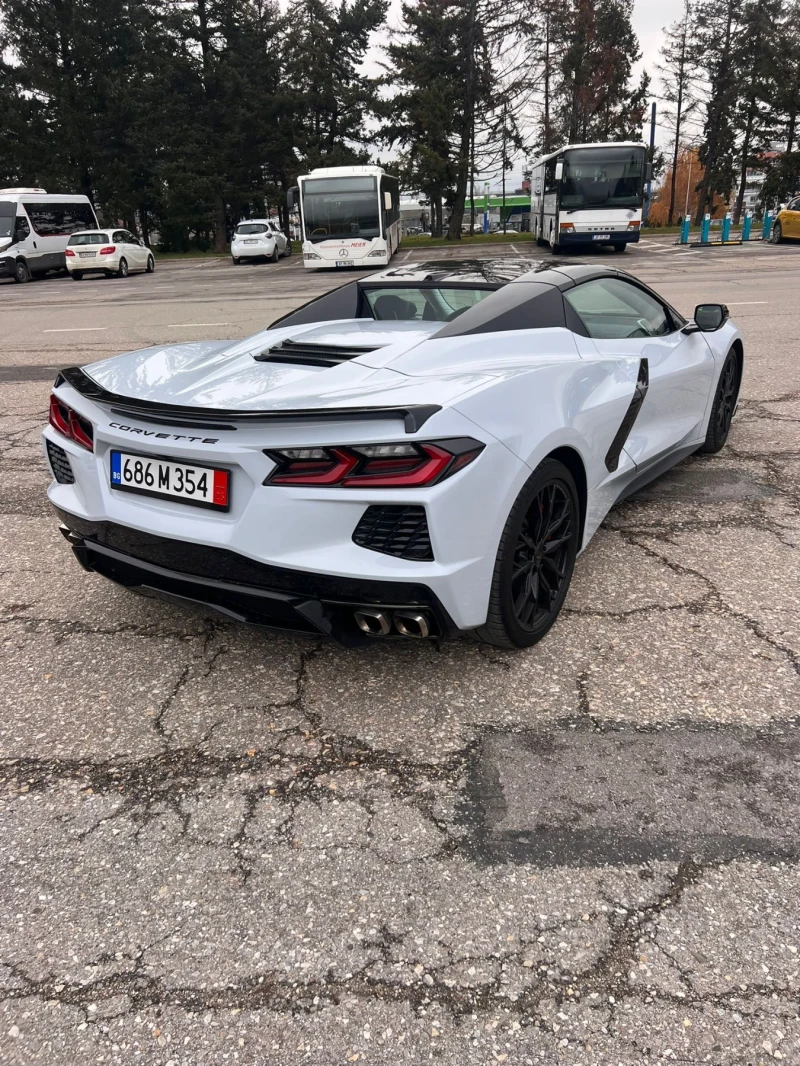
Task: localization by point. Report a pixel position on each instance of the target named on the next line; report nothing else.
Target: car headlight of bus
(311, 255)
(378, 251)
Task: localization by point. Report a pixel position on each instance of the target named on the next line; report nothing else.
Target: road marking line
(514, 248)
(78, 329)
(406, 256)
(185, 325)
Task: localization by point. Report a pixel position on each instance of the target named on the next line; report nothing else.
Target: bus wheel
(21, 272)
(620, 247)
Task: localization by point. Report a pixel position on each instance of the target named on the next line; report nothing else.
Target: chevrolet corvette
(420, 453)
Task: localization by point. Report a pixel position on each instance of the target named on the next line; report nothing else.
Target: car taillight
(70, 424)
(376, 466)
(108, 250)
(69, 251)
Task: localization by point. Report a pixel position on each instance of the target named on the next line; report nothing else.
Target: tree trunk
(748, 133)
(467, 121)
(220, 221)
(144, 221)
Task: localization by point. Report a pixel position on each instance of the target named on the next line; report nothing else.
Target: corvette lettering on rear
(162, 436)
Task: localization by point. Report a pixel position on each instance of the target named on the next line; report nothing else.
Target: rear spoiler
(414, 416)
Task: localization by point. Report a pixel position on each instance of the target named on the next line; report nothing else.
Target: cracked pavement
(224, 846)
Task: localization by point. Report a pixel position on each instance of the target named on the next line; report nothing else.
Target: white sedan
(113, 252)
(259, 238)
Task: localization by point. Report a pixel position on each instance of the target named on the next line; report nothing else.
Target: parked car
(259, 238)
(417, 454)
(35, 227)
(113, 252)
(787, 224)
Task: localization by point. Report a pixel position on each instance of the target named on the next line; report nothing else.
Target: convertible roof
(518, 282)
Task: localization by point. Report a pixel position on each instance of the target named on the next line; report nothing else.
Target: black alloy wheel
(21, 272)
(535, 559)
(719, 424)
(776, 236)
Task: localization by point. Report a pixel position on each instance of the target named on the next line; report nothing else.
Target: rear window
(414, 304)
(89, 238)
(251, 227)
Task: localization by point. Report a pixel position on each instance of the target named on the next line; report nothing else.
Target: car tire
(288, 251)
(151, 265)
(22, 272)
(530, 579)
(719, 423)
(776, 236)
(122, 270)
(235, 261)
(620, 247)
(77, 275)
(274, 257)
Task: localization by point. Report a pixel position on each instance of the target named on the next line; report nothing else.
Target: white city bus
(349, 216)
(35, 228)
(589, 194)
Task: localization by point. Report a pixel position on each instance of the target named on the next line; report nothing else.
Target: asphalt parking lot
(220, 846)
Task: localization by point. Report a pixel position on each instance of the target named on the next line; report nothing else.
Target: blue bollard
(705, 228)
(685, 226)
(766, 228)
(726, 227)
(747, 225)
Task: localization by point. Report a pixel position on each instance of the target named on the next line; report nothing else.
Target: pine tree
(717, 24)
(757, 58)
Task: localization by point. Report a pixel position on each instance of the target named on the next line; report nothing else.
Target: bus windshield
(602, 177)
(340, 207)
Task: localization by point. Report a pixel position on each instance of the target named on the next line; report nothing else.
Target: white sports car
(419, 453)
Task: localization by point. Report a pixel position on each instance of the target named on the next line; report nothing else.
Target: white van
(35, 227)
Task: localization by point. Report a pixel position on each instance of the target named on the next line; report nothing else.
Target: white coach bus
(35, 227)
(349, 216)
(589, 194)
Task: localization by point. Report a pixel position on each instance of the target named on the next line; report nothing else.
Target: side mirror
(291, 197)
(559, 170)
(710, 317)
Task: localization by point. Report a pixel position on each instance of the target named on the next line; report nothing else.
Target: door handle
(35, 245)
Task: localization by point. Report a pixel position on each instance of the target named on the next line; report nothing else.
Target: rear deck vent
(59, 461)
(308, 354)
(395, 530)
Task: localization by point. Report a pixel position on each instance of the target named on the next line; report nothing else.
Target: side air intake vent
(395, 530)
(309, 354)
(59, 461)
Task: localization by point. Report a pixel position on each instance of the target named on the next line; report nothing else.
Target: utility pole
(505, 106)
(650, 156)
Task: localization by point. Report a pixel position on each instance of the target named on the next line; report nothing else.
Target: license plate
(203, 486)
(601, 237)
(344, 263)
(87, 255)
(250, 242)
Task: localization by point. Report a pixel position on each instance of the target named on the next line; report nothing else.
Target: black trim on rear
(414, 416)
(241, 588)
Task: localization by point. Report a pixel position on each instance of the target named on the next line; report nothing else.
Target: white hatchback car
(113, 252)
(259, 238)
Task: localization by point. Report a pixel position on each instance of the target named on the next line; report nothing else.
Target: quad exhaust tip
(412, 624)
(374, 622)
(379, 623)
